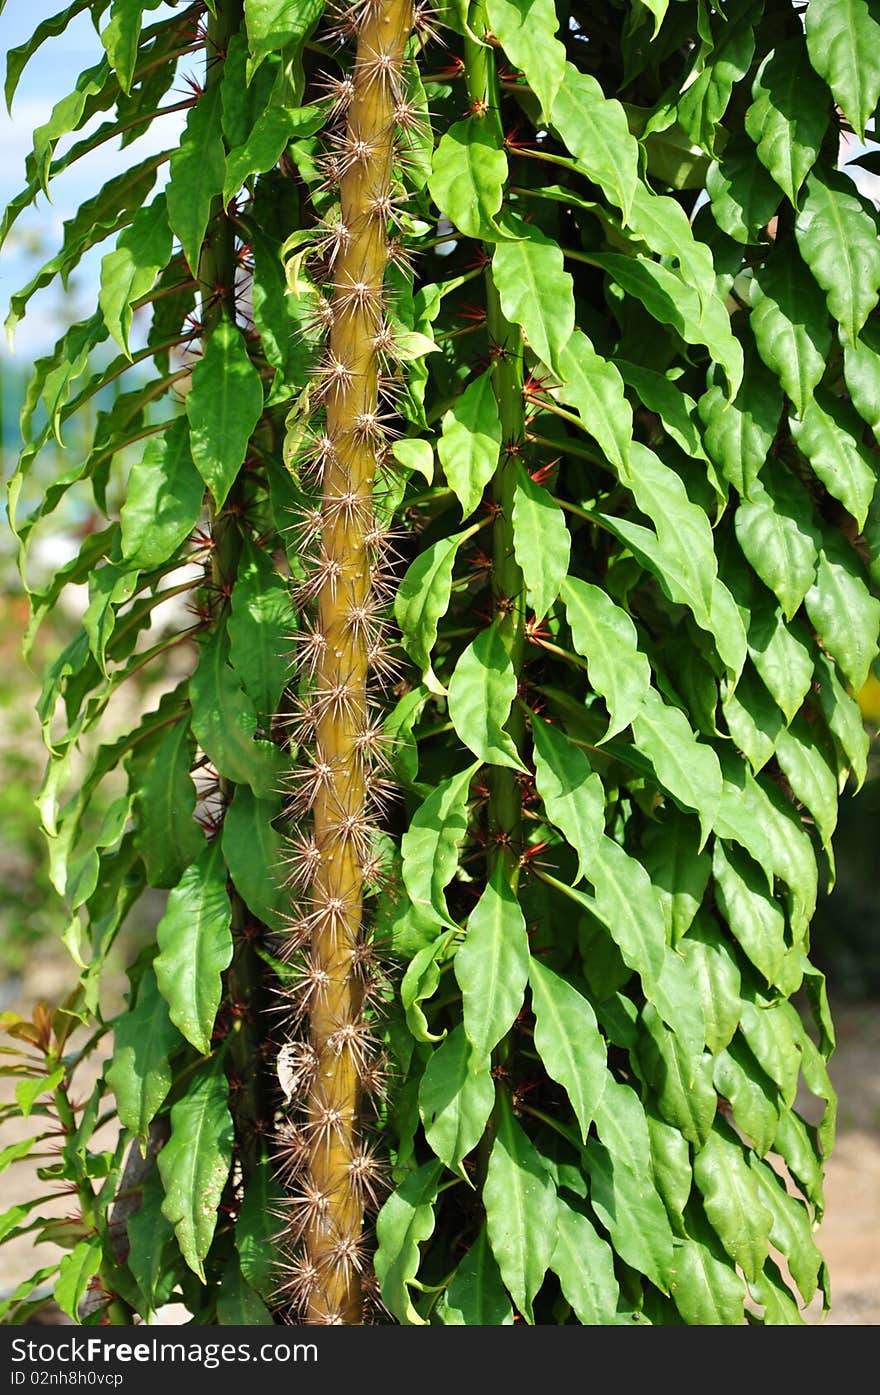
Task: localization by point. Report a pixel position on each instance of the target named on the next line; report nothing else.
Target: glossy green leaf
(813, 782)
(194, 1164)
(778, 536)
(788, 116)
(670, 1168)
(422, 598)
(151, 1250)
(755, 919)
(481, 692)
(752, 1096)
(121, 34)
(476, 1296)
(828, 435)
(681, 1078)
(197, 169)
(846, 616)
(127, 273)
(224, 405)
(732, 1201)
(431, 845)
(843, 716)
(254, 853)
(261, 622)
(738, 434)
(168, 836)
(140, 1075)
(606, 637)
(684, 766)
(238, 1304)
(520, 1202)
(527, 30)
(837, 237)
(743, 197)
(594, 388)
(541, 543)
(272, 132)
(405, 1221)
(163, 499)
(753, 719)
(843, 39)
(628, 906)
(781, 655)
(455, 1100)
(595, 130)
(468, 176)
(678, 869)
(225, 724)
(256, 1233)
(568, 1041)
(707, 1291)
(536, 291)
(572, 793)
(75, 1272)
(791, 1231)
(861, 366)
(584, 1265)
(789, 320)
(470, 442)
(492, 966)
(195, 944)
(273, 25)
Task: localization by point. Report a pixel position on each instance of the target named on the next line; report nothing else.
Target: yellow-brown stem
(337, 891)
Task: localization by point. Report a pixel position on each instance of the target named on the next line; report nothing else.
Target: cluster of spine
(330, 1067)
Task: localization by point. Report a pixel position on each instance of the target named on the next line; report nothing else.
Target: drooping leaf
(594, 129)
(571, 791)
(788, 116)
(492, 966)
(143, 1040)
(828, 435)
(253, 853)
(684, 766)
(789, 320)
(423, 597)
(431, 844)
(584, 1265)
(476, 1296)
(168, 836)
(261, 621)
(568, 1041)
(536, 290)
(195, 944)
(455, 1100)
(470, 441)
(606, 637)
(163, 499)
(843, 40)
(468, 176)
(223, 406)
(194, 1164)
(404, 1222)
(197, 169)
(520, 1202)
(776, 531)
(541, 543)
(127, 273)
(527, 32)
(481, 692)
(731, 1200)
(225, 723)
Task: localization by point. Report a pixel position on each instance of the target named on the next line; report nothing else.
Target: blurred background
(35, 965)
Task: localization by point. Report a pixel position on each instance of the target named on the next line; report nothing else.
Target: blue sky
(50, 75)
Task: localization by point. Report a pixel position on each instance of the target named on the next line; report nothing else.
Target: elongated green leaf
(431, 844)
(837, 237)
(715, 975)
(253, 852)
(595, 130)
(828, 435)
(163, 499)
(168, 836)
(682, 1078)
(572, 793)
(468, 176)
(753, 1098)
(260, 624)
(151, 1238)
(195, 1162)
(541, 543)
(738, 434)
(811, 777)
(670, 1167)
(568, 1040)
(223, 406)
(789, 320)
(420, 982)
(470, 442)
(273, 25)
(423, 597)
(140, 1075)
(844, 718)
(238, 1304)
(776, 531)
(17, 58)
(225, 723)
(862, 372)
(684, 766)
(628, 906)
(843, 39)
(707, 1291)
(492, 967)
(455, 1100)
(846, 616)
(743, 197)
(584, 1265)
(404, 1222)
(197, 169)
(676, 409)
(594, 388)
(536, 291)
(77, 1268)
(255, 1231)
(704, 101)
(527, 31)
(791, 1231)
(678, 869)
(732, 1201)
(481, 692)
(606, 637)
(788, 116)
(142, 250)
(195, 943)
(520, 1202)
(273, 130)
(121, 34)
(476, 1296)
(781, 654)
(755, 918)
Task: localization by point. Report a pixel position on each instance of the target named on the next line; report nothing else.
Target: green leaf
(431, 844)
(422, 598)
(789, 320)
(167, 835)
(75, 1271)
(568, 1041)
(520, 1202)
(846, 616)
(776, 531)
(707, 1291)
(791, 1231)
(628, 906)
(127, 273)
(256, 1232)
(594, 388)
(253, 852)
(151, 1247)
(238, 1304)
(527, 32)
(755, 918)
(140, 1075)
(584, 1265)
(492, 966)
(715, 976)
(622, 1191)
(27, 1092)
(121, 36)
(772, 1028)
(405, 1221)
(225, 724)
(732, 1201)
(195, 943)
(536, 291)
(751, 1094)
(272, 132)
(843, 39)
(788, 116)
(468, 176)
(572, 793)
(606, 637)
(541, 542)
(781, 654)
(224, 405)
(738, 434)
(838, 241)
(704, 101)
(17, 58)
(813, 782)
(684, 766)
(195, 1162)
(273, 25)
(481, 692)
(197, 169)
(677, 868)
(476, 1296)
(595, 130)
(670, 1167)
(420, 982)
(261, 622)
(843, 716)
(455, 1100)
(163, 499)
(828, 436)
(470, 442)
(743, 197)
(862, 372)
(676, 409)
(681, 1079)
